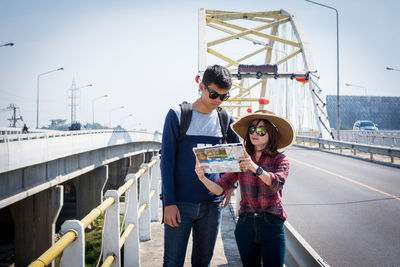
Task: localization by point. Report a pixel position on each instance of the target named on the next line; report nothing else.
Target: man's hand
(172, 217)
(227, 197)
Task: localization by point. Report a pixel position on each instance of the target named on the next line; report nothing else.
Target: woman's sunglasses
(213, 95)
(261, 131)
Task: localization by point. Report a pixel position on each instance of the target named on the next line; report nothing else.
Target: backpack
(186, 118)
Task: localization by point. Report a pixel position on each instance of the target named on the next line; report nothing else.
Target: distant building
(382, 110)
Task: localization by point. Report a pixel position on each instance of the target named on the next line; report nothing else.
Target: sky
(143, 54)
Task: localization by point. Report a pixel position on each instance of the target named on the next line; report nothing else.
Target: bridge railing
(139, 212)
(371, 149)
(17, 136)
(380, 138)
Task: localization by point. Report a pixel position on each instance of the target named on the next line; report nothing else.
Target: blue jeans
(204, 219)
(260, 235)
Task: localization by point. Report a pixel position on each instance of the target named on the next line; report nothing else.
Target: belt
(254, 214)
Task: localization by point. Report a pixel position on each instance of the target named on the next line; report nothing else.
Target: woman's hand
(246, 163)
(213, 187)
(200, 170)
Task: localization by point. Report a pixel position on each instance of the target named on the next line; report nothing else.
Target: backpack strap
(224, 122)
(186, 118)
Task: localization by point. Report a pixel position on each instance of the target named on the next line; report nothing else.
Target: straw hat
(286, 133)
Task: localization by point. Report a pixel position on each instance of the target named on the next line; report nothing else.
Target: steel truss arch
(270, 37)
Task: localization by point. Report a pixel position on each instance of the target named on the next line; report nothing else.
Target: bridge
(330, 197)
(342, 209)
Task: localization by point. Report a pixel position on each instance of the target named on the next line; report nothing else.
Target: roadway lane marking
(345, 178)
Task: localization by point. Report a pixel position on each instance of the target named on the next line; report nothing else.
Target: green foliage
(93, 242)
(62, 125)
(94, 126)
(57, 124)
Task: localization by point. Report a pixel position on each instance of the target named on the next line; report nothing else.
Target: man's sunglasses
(213, 95)
(261, 131)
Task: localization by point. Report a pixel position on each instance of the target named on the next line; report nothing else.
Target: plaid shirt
(256, 195)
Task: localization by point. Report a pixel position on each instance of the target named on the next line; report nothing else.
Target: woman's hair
(271, 148)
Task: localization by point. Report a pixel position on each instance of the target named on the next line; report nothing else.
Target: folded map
(220, 158)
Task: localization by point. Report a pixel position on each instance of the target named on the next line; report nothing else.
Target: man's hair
(218, 75)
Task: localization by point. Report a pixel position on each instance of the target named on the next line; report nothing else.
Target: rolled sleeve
(227, 180)
(279, 175)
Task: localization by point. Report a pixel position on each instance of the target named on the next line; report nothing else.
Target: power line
(13, 120)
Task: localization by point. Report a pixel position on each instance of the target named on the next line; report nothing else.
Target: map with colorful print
(220, 158)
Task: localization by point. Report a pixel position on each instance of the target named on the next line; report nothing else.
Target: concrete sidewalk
(225, 252)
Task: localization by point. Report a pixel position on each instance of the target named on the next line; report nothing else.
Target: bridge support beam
(89, 190)
(116, 174)
(35, 219)
(135, 162)
(149, 155)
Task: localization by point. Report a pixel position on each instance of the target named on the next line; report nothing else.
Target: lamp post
(109, 118)
(123, 118)
(37, 94)
(94, 100)
(359, 86)
(337, 65)
(8, 44)
(389, 68)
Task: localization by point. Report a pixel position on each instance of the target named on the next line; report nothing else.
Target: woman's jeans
(204, 219)
(260, 235)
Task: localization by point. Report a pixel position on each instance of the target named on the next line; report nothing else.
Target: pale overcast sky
(143, 54)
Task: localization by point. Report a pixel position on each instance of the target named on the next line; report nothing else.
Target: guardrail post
(111, 230)
(155, 201)
(74, 254)
(131, 246)
(145, 219)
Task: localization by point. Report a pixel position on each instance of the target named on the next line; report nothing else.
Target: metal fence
(379, 138)
(139, 212)
(371, 149)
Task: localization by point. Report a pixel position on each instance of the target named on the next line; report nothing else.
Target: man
(188, 205)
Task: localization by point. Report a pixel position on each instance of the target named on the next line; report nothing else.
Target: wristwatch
(259, 171)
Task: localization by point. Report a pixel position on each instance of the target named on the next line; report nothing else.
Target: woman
(259, 232)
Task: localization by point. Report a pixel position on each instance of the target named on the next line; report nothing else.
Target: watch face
(259, 171)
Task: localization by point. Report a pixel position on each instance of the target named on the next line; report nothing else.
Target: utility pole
(73, 101)
(13, 120)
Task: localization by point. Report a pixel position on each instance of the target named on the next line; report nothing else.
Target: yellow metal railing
(110, 259)
(47, 257)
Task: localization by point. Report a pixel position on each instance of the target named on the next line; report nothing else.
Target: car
(76, 126)
(365, 125)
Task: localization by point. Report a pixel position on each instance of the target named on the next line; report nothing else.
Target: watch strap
(259, 171)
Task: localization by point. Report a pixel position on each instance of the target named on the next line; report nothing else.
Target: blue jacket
(179, 180)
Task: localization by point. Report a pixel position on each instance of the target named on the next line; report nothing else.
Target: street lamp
(37, 94)
(123, 118)
(389, 68)
(337, 64)
(359, 86)
(8, 44)
(94, 100)
(109, 118)
(87, 85)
